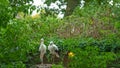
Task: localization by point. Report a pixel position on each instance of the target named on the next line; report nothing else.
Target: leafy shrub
(18, 64)
(57, 66)
(88, 52)
(90, 57)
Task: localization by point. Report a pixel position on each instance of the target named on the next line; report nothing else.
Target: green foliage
(88, 53)
(91, 33)
(48, 2)
(57, 66)
(21, 6)
(10, 8)
(18, 64)
(21, 37)
(90, 57)
(15, 42)
(4, 13)
(117, 25)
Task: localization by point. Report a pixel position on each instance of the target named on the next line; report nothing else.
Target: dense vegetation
(91, 34)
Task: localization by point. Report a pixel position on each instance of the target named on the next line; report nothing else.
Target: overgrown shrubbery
(87, 54)
(20, 40)
(94, 40)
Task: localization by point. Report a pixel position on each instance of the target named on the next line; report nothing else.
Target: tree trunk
(71, 5)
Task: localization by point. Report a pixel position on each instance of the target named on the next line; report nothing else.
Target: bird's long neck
(42, 42)
(51, 44)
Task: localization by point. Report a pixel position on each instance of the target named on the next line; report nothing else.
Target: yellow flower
(70, 54)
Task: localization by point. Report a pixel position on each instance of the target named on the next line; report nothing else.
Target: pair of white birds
(51, 47)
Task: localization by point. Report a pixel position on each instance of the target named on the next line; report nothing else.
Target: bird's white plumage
(42, 49)
(52, 48)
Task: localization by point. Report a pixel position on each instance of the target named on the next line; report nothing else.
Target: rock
(42, 66)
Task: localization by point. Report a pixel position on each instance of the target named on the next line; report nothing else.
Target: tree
(10, 8)
(72, 4)
(5, 14)
(21, 6)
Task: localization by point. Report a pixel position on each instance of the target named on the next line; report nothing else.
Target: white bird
(42, 50)
(53, 49)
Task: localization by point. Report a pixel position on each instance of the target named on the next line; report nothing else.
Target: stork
(42, 50)
(53, 50)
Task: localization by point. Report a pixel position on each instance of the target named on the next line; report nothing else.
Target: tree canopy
(10, 8)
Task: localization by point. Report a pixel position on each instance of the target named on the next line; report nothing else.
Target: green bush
(88, 53)
(90, 57)
(57, 66)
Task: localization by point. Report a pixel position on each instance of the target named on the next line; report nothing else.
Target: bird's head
(42, 40)
(51, 42)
